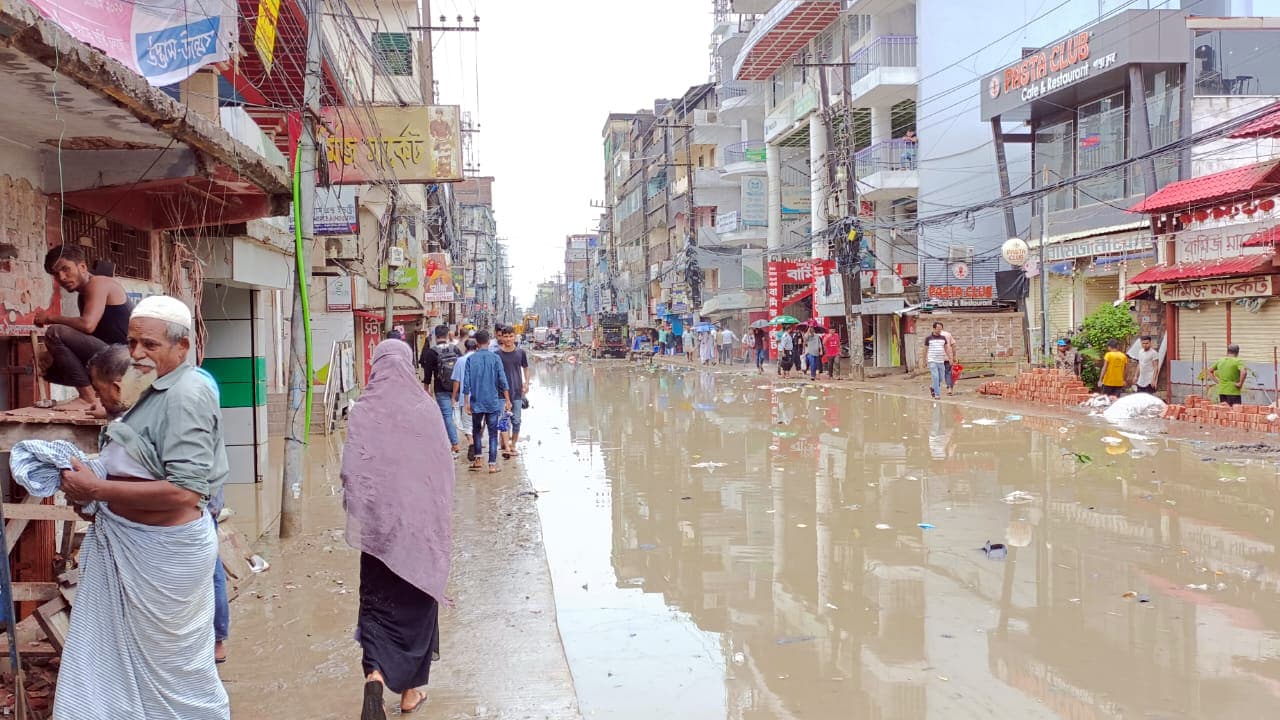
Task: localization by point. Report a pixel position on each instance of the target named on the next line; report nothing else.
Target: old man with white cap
(141, 639)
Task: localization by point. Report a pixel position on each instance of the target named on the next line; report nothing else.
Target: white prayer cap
(163, 307)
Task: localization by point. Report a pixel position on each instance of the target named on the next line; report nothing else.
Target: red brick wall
(981, 338)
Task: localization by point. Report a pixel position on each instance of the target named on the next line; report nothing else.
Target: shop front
(1087, 273)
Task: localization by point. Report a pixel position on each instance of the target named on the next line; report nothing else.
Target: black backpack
(448, 358)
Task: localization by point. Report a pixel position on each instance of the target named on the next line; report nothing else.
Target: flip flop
(422, 699)
(372, 709)
(493, 469)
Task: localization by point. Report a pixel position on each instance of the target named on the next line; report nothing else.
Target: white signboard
(755, 202)
(727, 222)
(1202, 245)
(337, 293)
(1095, 246)
(1226, 289)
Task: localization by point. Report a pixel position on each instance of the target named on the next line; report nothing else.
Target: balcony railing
(887, 155)
(727, 92)
(752, 151)
(884, 51)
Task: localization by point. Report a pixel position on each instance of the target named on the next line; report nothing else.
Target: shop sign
(727, 222)
(370, 336)
(416, 144)
(337, 293)
(1046, 71)
(961, 295)
(1217, 243)
(1092, 247)
(1227, 289)
(680, 300)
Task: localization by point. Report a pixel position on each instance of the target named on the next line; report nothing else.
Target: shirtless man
(71, 341)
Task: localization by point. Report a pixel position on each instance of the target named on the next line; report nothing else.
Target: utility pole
(851, 284)
(292, 486)
(1044, 270)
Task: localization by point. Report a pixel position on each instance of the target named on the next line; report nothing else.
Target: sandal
(493, 469)
(372, 709)
(422, 699)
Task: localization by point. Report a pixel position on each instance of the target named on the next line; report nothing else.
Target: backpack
(448, 358)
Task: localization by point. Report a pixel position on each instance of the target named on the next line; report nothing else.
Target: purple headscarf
(397, 474)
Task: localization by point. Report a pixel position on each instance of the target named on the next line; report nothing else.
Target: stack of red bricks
(994, 387)
(1253, 418)
(1049, 387)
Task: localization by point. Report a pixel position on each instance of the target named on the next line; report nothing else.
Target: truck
(611, 337)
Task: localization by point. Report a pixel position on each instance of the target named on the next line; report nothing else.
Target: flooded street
(720, 549)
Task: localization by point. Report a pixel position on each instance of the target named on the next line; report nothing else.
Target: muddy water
(720, 549)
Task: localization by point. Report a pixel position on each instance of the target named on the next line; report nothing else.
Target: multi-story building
(479, 251)
(578, 251)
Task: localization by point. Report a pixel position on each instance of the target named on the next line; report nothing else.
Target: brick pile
(1252, 418)
(995, 387)
(1049, 387)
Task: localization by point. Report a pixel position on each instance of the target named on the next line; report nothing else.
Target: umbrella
(704, 327)
(818, 329)
(784, 320)
(759, 324)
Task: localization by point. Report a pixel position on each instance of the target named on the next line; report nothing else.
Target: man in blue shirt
(487, 396)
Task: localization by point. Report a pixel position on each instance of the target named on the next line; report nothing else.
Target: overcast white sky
(550, 72)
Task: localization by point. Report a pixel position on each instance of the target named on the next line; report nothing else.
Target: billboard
(335, 211)
(419, 144)
(439, 278)
(164, 41)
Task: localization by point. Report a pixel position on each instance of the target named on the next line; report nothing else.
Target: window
(1099, 143)
(1236, 62)
(1163, 88)
(392, 54)
(1053, 152)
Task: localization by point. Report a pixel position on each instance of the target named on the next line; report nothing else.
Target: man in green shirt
(1230, 373)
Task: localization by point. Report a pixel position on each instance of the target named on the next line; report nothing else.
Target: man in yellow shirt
(1113, 366)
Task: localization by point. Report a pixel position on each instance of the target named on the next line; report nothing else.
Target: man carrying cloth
(141, 639)
(71, 341)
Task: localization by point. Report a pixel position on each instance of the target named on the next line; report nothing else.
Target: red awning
(1231, 267)
(1142, 293)
(783, 32)
(1267, 126)
(1209, 189)
(1264, 238)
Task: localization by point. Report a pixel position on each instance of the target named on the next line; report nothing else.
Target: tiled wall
(235, 354)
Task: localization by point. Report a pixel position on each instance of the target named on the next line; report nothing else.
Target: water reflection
(785, 524)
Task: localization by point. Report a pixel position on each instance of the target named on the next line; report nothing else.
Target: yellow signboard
(421, 144)
(264, 32)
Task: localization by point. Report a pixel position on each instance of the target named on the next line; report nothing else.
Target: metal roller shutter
(1100, 290)
(1062, 318)
(1257, 333)
(1202, 332)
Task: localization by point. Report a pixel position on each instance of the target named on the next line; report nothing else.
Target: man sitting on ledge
(71, 341)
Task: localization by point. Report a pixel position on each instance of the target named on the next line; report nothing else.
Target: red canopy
(1267, 126)
(1230, 267)
(1264, 238)
(1208, 189)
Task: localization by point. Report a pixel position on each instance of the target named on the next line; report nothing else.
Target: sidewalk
(292, 653)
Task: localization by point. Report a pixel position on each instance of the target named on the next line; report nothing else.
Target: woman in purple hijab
(397, 479)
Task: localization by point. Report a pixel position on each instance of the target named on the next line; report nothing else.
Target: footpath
(292, 650)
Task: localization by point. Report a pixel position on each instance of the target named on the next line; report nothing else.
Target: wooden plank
(55, 619)
(27, 511)
(37, 649)
(35, 591)
(13, 529)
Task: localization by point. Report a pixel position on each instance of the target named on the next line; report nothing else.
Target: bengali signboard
(335, 211)
(961, 295)
(1217, 243)
(421, 144)
(1225, 289)
(1095, 246)
(337, 293)
(164, 41)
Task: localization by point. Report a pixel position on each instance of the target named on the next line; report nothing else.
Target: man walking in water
(515, 363)
(71, 341)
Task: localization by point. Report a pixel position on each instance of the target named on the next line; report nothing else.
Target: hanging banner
(439, 283)
(264, 32)
(755, 202)
(164, 41)
(419, 144)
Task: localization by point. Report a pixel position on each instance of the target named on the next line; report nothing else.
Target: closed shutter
(1061, 305)
(1200, 331)
(1257, 333)
(1099, 291)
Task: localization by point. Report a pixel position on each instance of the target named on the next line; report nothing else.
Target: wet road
(722, 550)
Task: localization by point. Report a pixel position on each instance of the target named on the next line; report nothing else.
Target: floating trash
(883, 526)
(995, 551)
(1110, 440)
(926, 526)
(1018, 497)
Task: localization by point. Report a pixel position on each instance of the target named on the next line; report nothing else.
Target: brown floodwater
(720, 549)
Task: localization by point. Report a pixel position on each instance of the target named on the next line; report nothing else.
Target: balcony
(732, 230)
(744, 159)
(887, 170)
(885, 72)
(739, 102)
(781, 33)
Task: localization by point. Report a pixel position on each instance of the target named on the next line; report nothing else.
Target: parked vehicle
(542, 338)
(610, 337)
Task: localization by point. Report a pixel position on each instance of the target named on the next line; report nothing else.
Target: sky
(549, 74)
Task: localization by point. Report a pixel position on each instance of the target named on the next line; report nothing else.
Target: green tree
(1109, 322)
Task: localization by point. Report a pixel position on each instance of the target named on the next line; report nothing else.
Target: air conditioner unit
(960, 254)
(341, 247)
(889, 285)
